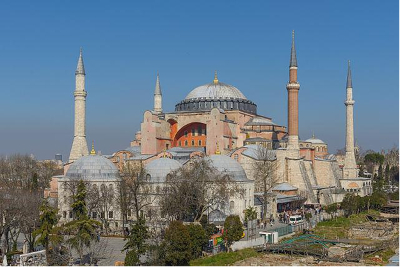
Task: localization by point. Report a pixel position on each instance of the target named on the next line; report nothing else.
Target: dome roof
(314, 140)
(93, 167)
(215, 90)
(158, 169)
(229, 166)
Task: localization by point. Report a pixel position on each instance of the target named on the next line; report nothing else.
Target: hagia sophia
(217, 122)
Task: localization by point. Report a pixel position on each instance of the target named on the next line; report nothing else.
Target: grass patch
(339, 227)
(224, 258)
(384, 255)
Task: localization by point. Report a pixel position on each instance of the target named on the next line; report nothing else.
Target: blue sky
(125, 43)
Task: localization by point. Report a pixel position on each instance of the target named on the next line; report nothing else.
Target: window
(199, 142)
(70, 214)
(180, 143)
(231, 206)
(94, 215)
(102, 214)
(64, 214)
(129, 213)
(148, 177)
(199, 130)
(186, 133)
(116, 224)
(110, 214)
(111, 188)
(192, 142)
(186, 143)
(193, 132)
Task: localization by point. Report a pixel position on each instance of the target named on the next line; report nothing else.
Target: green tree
(177, 247)
(131, 258)
(250, 214)
(48, 221)
(198, 239)
(81, 229)
(136, 244)
(331, 209)
(233, 230)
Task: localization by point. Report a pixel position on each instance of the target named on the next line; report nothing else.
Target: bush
(223, 259)
(131, 258)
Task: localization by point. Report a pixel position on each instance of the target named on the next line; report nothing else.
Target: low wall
(247, 243)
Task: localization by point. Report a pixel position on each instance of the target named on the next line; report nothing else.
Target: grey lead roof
(284, 187)
(158, 86)
(293, 59)
(93, 167)
(349, 82)
(215, 91)
(80, 69)
(228, 166)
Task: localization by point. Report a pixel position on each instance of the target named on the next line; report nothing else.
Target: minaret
(79, 145)
(350, 166)
(293, 102)
(158, 97)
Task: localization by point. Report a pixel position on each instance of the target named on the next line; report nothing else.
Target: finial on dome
(216, 78)
(313, 135)
(92, 152)
(217, 152)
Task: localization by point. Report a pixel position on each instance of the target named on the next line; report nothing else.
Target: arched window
(199, 142)
(193, 132)
(231, 206)
(186, 143)
(199, 130)
(186, 133)
(103, 189)
(148, 177)
(192, 142)
(111, 188)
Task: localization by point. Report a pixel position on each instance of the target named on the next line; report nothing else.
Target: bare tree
(134, 190)
(265, 172)
(193, 189)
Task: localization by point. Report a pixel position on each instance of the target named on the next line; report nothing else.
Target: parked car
(295, 219)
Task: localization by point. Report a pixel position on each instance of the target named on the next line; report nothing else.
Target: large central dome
(216, 95)
(215, 91)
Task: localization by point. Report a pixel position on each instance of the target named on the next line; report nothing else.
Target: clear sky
(125, 43)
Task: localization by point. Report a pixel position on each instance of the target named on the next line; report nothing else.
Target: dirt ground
(286, 260)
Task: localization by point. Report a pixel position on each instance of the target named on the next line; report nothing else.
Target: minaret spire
(80, 69)
(293, 88)
(350, 167)
(349, 83)
(293, 59)
(158, 96)
(79, 145)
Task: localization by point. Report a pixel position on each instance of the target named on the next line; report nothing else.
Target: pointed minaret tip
(215, 78)
(293, 59)
(80, 69)
(157, 91)
(349, 81)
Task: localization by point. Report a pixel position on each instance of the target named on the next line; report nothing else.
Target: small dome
(158, 169)
(229, 166)
(215, 91)
(314, 140)
(93, 167)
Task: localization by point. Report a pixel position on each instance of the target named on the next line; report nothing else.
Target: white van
(295, 219)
